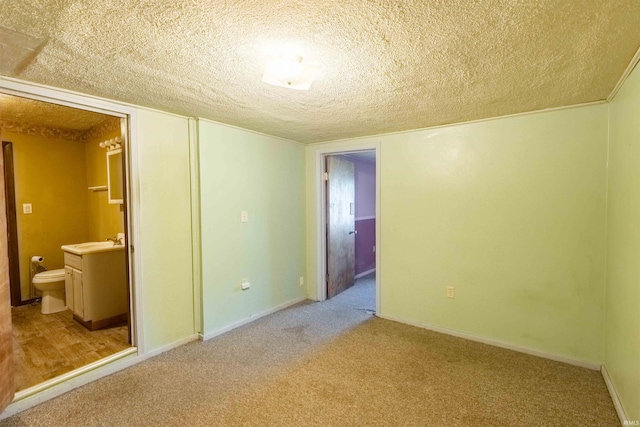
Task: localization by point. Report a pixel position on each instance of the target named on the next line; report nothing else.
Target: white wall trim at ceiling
(614, 395)
(201, 119)
(63, 97)
(469, 122)
(625, 75)
(546, 355)
(69, 98)
(252, 318)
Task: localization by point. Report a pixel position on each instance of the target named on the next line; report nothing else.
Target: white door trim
(196, 240)
(76, 100)
(321, 214)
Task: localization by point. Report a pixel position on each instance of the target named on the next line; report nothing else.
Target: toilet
(51, 284)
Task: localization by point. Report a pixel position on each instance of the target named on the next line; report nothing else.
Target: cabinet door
(78, 301)
(68, 287)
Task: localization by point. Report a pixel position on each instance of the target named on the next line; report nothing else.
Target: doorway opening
(65, 173)
(350, 215)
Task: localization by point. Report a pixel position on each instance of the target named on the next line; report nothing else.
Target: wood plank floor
(48, 345)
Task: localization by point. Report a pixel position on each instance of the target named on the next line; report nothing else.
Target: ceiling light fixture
(289, 71)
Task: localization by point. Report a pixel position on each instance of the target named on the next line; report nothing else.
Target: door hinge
(326, 176)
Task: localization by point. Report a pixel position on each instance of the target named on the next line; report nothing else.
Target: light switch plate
(244, 216)
(245, 284)
(27, 208)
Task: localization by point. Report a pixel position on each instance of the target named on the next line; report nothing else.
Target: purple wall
(365, 177)
(365, 180)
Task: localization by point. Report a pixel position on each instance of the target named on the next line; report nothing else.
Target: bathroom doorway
(65, 180)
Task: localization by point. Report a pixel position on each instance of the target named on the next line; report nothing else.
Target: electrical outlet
(245, 284)
(301, 280)
(451, 292)
(27, 208)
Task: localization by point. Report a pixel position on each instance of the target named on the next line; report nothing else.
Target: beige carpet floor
(334, 364)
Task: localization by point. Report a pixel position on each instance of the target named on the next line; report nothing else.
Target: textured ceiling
(44, 114)
(388, 65)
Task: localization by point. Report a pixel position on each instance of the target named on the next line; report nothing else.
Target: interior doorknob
(353, 232)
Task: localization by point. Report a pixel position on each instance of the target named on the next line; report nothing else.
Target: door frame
(321, 215)
(11, 86)
(12, 227)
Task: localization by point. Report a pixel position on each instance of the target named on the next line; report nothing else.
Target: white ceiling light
(289, 71)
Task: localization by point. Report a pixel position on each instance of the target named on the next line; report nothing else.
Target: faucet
(116, 240)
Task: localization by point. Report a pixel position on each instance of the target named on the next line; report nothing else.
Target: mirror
(115, 185)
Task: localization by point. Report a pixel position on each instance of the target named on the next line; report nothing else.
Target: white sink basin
(91, 247)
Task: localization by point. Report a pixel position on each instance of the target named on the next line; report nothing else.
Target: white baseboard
(168, 347)
(22, 403)
(614, 395)
(79, 377)
(209, 335)
(558, 358)
(364, 273)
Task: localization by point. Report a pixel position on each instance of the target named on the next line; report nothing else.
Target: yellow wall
(49, 174)
(242, 170)
(622, 324)
(164, 244)
(105, 220)
(511, 212)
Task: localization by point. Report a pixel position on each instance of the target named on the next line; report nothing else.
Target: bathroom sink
(91, 247)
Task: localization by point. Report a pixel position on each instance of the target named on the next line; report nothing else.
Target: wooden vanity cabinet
(96, 288)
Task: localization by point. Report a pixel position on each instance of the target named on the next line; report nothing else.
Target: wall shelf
(98, 188)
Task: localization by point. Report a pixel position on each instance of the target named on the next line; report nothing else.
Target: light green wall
(242, 170)
(511, 212)
(165, 228)
(622, 320)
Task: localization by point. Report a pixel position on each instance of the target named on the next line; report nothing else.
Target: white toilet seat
(49, 276)
(51, 284)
